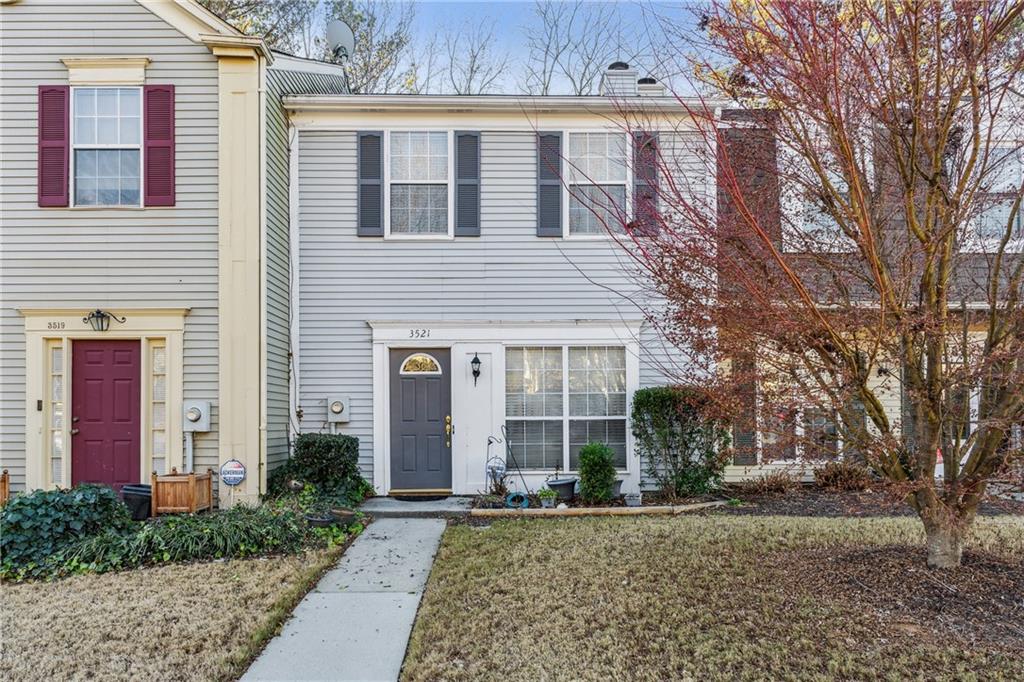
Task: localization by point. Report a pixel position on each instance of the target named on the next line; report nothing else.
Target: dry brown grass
(717, 597)
(181, 622)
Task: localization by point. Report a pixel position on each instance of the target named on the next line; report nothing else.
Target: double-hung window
(559, 398)
(106, 139)
(419, 183)
(1003, 183)
(598, 178)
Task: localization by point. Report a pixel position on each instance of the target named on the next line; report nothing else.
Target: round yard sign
(232, 472)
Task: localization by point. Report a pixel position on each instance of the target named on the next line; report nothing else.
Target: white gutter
(467, 103)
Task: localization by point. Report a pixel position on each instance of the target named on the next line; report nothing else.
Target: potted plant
(547, 497)
(565, 488)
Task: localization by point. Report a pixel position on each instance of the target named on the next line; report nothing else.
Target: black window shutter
(645, 182)
(370, 199)
(467, 184)
(549, 184)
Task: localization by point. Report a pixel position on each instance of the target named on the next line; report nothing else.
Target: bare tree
(574, 43)
(857, 279)
(383, 34)
(474, 65)
(278, 22)
(425, 67)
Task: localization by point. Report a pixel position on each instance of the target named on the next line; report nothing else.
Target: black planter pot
(320, 521)
(565, 487)
(343, 515)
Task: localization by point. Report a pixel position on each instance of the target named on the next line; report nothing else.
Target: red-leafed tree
(859, 260)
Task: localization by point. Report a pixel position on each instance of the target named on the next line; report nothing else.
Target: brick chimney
(618, 80)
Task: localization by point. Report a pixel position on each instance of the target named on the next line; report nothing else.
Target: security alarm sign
(232, 472)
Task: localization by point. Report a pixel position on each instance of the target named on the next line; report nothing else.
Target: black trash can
(138, 498)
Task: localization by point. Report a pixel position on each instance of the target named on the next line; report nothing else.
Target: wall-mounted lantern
(475, 364)
(99, 320)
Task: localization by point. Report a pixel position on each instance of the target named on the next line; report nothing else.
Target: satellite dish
(340, 39)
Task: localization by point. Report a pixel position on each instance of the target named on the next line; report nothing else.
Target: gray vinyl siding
(281, 82)
(155, 257)
(507, 273)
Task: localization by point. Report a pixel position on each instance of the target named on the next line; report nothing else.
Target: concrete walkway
(355, 624)
(389, 507)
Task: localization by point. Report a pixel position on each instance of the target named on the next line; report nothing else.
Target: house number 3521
(419, 333)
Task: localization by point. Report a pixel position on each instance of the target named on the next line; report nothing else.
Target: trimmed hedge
(328, 461)
(597, 472)
(686, 451)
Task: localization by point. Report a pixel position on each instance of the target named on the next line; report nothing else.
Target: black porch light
(99, 320)
(475, 364)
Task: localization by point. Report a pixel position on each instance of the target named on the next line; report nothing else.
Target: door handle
(74, 432)
(74, 419)
(448, 431)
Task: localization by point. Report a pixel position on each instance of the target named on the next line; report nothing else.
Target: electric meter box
(338, 409)
(196, 416)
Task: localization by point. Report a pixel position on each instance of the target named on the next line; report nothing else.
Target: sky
(514, 19)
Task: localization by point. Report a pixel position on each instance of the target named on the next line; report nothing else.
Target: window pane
(595, 209)
(57, 387)
(106, 101)
(597, 157)
(159, 415)
(85, 102)
(597, 384)
(535, 444)
(159, 360)
(57, 360)
(611, 432)
(419, 209)
(533, 382)
(130, 130)
(159, 388)
(129, 104)
(992, 221)
(85, 130)
(107, 177)
(159, 443)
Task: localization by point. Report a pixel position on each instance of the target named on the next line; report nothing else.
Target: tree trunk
(945, 541)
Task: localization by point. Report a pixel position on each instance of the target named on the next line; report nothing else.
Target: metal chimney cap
(647, 80)
(618, 66)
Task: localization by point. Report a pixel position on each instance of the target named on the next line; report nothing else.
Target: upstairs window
(1005, 177)
(419, 183)
(598, 177)
(106, 139)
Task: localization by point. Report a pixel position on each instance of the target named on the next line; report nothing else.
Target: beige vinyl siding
(507, 273)
(281, 82)
(114, 259)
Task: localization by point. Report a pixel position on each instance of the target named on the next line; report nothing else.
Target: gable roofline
(289, 62)
(468, 103)
(200, 25)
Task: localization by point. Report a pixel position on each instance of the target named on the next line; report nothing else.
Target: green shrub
(597, 472)
(36, 526)
(238, 532)
(842, 475)
(328, 461)
(685, 451)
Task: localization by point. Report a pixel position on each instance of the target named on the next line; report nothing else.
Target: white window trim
(566, 417)
(604, 235)
(72, 146)
(386, 173)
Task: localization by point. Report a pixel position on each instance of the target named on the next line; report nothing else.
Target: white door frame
(464, 335)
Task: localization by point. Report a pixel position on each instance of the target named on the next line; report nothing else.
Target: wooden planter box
(5, 487)
(177, 493)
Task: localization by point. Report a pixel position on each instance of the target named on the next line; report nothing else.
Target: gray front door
(421, 414)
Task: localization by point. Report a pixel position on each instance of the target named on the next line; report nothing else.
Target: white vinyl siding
(507, 273)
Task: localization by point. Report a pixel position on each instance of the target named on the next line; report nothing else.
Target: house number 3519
(419, 333)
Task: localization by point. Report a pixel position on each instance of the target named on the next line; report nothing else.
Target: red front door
(105, 412)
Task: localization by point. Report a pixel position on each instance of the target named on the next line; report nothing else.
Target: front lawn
(718, 597)
(201, 621)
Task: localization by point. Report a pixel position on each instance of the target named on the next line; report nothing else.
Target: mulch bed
(811, 501)
(981, 603)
